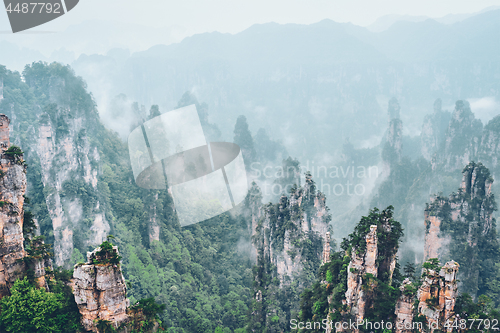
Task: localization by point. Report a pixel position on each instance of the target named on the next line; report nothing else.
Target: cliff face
(393, 140)
(358, 297)
(253, 214)
(463, 138)
(489, 152)
(282, 229)
(289, 244)
(100, 290)
(434, 131)
(56, 122)
(434, 301)
(15, 260)
(372, 262)
(405, 308)
(436, 243)
(69, 162)
(437, 295)
(450, 142)
(362, 284)
(12, 189)
(464, 218)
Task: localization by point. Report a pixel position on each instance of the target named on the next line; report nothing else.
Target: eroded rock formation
(326, 248)
(437, 295)
(69, 162)
(489, 153)
(253, 213)
(405, 308)
(434, 301)
(394, 136)
(366, 268)
(451, 141)
(282, 229)
(359, 285)
(435, 242)
(15, 260)
(61, 160)
(434, 131)
(464, 218)
(12, 189)
(289, 245)
(463, 137)
(371, 278)
(100, 290)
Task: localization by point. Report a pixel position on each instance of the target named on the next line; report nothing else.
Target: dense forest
(267, 262)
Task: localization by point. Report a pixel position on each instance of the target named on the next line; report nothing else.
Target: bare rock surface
(12, 189)
(100, 291)
(437, 295)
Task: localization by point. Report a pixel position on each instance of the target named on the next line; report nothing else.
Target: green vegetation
(200, 272)
(29, 310)
(277, 297)
(104, 326)
(477, 259)
(14, 151)
(29, 225)
(410, 290)
(433, 264)
(145, 313)
(201, 278)
(482, 313)
(106, 255)
(384, 288)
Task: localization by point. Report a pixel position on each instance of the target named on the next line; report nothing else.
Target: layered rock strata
(100, 291)
(278, 230)
(405, 308)
(69, 162)
(359, 286)
(465, 217)
(12, 189)
(437, 296)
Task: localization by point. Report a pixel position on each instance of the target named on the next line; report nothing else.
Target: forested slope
(201, 273)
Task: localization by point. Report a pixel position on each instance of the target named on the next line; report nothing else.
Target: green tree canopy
(30, 310)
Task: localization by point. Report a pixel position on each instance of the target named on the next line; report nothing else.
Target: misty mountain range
(386, 21)
(287, 79)
(308, 71)
(371, 156)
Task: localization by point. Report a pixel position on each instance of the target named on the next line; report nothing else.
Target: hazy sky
(236, 15)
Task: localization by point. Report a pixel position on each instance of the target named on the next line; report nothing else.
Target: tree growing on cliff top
(328, 293)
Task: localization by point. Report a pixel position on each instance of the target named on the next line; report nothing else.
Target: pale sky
(236, 15)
